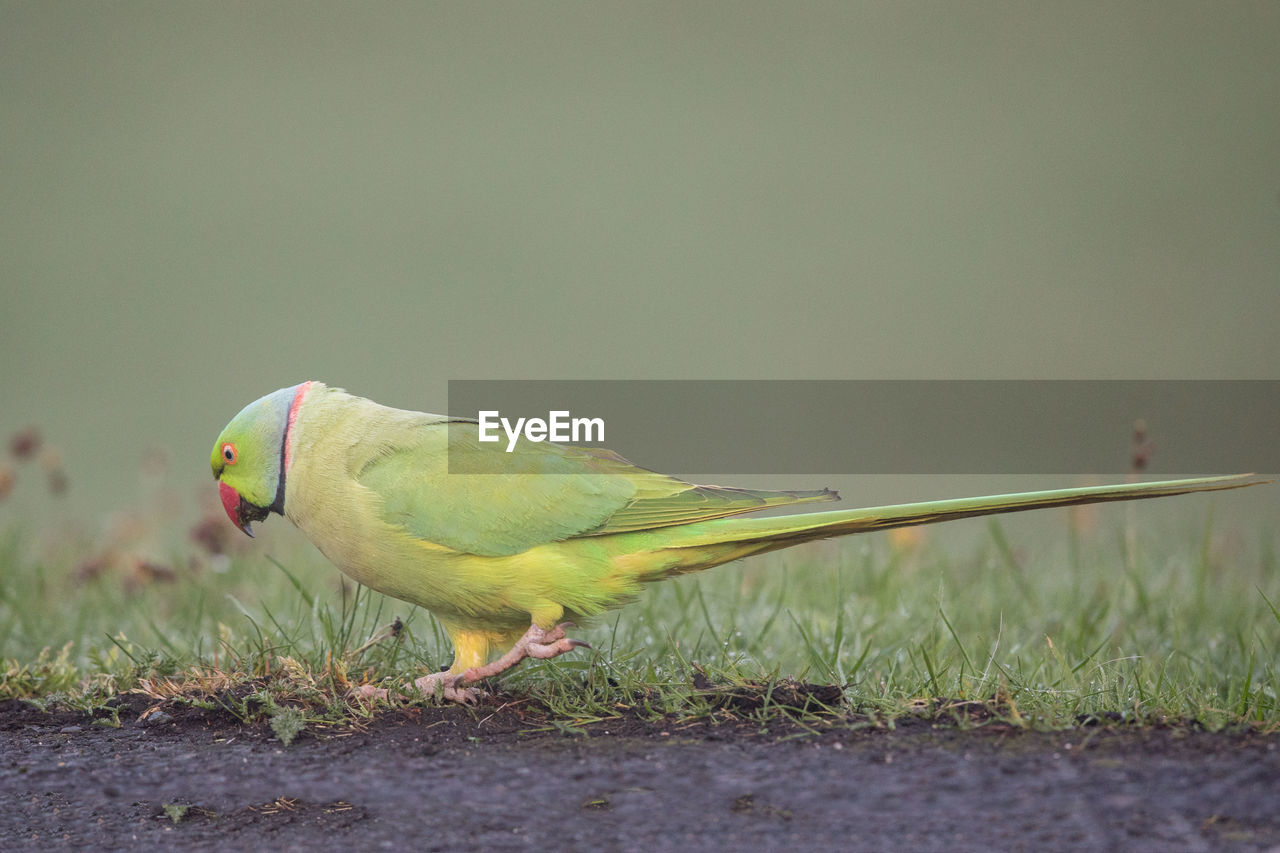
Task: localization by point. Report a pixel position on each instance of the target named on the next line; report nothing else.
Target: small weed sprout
(287, 722)
(176, 811)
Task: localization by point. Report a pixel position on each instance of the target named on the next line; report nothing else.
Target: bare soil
(427, 778)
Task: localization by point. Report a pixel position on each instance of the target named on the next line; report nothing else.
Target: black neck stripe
(277, 505)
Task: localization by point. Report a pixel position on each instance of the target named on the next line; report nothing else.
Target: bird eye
(229, 453)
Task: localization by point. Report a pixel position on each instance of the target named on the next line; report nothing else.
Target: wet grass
(1177, 625)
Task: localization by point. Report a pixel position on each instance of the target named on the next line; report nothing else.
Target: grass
(1152, 626)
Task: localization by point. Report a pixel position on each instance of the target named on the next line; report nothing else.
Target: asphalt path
(456, 779)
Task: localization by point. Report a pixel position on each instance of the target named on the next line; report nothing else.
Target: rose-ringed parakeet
(506, 561)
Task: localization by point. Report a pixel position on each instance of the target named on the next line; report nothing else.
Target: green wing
(541, 493)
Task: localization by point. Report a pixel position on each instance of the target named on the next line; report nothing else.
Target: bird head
(250, 457)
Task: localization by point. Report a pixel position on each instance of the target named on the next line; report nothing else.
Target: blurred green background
(204, 202)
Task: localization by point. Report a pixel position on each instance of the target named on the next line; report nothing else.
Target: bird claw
(464, 695)
(445, 684)
(433, 686)
(545, 651)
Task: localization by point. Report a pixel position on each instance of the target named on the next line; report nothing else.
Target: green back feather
(589, 493)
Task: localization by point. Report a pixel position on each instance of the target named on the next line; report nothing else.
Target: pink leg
(536, 643)
(427, 685)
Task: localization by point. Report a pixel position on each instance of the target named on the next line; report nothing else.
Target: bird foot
(539, 643)
(446, 684)
(437, 683)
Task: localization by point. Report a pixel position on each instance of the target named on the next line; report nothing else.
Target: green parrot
(507, 561)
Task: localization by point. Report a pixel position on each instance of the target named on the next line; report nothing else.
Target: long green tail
(768, 534)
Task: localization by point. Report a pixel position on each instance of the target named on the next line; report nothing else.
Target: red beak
(232, 503)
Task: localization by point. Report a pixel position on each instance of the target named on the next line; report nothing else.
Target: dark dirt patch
(452, 778)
